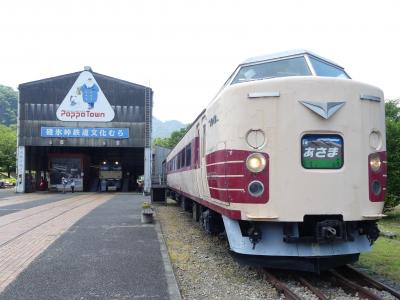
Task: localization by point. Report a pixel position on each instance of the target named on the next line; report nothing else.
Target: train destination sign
(75, 132)
(85, 101)
(322, 151)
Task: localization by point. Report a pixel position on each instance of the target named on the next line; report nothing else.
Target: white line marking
(226, 162)
(220, 176)
(219, 189)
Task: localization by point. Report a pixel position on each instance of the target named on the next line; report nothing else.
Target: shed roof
(76, 74)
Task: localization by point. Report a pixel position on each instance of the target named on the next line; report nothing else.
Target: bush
(392, 110)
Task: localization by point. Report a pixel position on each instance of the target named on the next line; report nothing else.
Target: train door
(202, 178)
(197, 161)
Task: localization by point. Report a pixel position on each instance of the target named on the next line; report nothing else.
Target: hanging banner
(85, 101)
(75, 132)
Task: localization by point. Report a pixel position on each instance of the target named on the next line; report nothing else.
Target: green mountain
(164, 129)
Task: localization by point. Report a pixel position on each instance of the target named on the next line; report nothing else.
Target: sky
(185, 50)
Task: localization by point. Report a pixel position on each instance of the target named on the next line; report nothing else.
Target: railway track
(39, 209)
(41, 216)
(350, 280)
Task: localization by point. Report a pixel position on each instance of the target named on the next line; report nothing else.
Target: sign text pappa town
(82, 114)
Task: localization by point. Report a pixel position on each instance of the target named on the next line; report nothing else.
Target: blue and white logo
(85, 101)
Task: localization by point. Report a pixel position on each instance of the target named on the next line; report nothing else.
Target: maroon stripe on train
(230, 168)
(379, 176)
(226, 182)
(225, 155)
(219, 194)
(223, 163)
(230, 213)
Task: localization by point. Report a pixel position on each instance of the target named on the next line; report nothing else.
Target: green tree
(392, 111)
(8, 146)
(8, 105)
(171, 141)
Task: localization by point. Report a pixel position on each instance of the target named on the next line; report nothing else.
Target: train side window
(325, 69)
(188, 154)
(183, 158)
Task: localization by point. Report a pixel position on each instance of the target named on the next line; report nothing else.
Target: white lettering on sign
(320, 152)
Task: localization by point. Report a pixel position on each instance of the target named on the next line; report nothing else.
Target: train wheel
(211, 222)
(186, 204)
(178, 199)
(196, 212)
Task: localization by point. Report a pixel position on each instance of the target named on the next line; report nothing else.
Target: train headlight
(376, 187)
(256, 188)
(375, 162)
(256, 162)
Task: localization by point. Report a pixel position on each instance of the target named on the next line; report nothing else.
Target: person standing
(64, 183)
(72, 185)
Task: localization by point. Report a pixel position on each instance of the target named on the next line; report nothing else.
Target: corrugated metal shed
(39, 101)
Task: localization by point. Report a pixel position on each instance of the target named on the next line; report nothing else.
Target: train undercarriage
(317, 244)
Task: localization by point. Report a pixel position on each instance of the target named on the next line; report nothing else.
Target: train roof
(286, 54)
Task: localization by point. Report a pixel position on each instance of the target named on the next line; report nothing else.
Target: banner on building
(76, 132)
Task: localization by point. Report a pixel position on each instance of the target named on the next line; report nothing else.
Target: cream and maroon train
(289, 159)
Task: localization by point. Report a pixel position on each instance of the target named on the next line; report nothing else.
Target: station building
(87, 128)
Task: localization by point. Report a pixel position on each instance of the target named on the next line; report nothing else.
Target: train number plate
(322, 151)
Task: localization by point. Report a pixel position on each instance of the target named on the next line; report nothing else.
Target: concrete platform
(90, 246)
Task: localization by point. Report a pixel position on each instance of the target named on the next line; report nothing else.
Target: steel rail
(316, 291)
(280, 286)
(370, 281)
(354, 287)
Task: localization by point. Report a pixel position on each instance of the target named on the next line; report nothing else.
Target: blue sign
(74, 132)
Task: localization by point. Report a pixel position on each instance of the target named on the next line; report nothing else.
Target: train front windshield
(295, 66)
(286, 67)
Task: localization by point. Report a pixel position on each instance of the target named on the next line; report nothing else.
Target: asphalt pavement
(108, 254)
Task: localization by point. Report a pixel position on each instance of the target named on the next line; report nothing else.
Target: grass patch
(391, 222)
(384, 259)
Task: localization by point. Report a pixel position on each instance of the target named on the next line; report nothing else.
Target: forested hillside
(8, 105)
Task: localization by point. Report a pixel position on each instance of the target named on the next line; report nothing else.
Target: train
(110, 176)
(289, 160)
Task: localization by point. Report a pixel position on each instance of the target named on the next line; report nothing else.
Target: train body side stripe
(233, 214)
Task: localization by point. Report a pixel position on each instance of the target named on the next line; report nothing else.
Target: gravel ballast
(202, 264)
(204, 268)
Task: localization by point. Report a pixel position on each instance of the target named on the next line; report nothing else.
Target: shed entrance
(92, 169)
